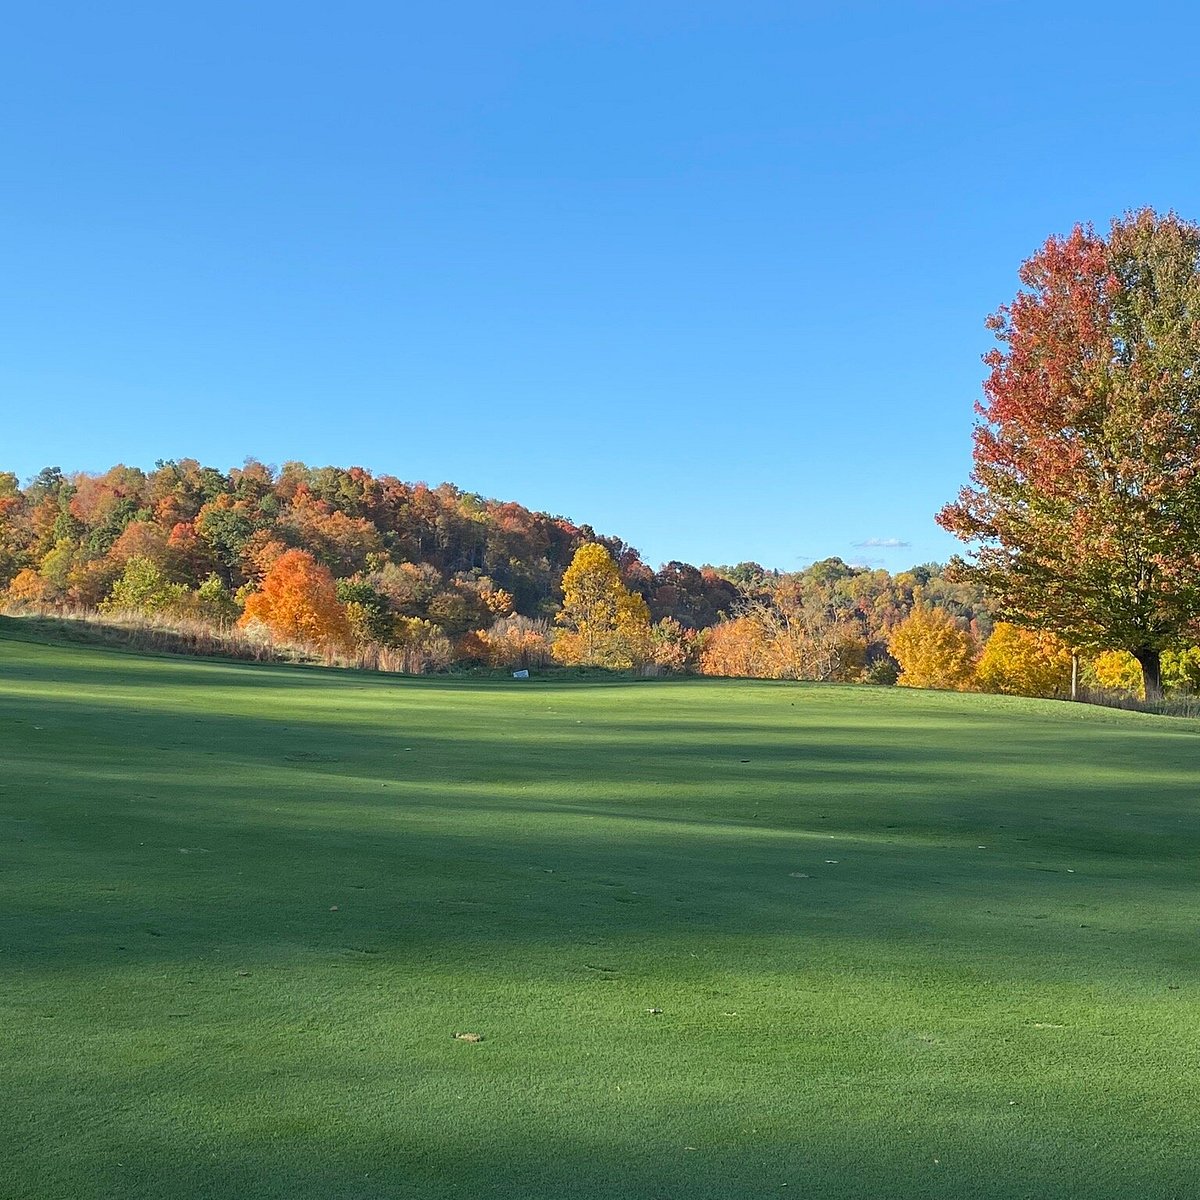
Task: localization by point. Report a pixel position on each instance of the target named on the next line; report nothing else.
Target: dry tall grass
(1178, 704)
(178, 634)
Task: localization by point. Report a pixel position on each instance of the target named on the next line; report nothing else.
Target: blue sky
(711, 277)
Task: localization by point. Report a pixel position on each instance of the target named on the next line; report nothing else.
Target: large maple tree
(1084, 505)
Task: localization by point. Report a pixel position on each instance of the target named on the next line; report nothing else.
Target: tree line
(359, 558)
(346, 562)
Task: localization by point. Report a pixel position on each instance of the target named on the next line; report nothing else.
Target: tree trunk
(1151, 664)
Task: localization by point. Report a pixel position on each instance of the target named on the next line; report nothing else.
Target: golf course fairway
(718, 939)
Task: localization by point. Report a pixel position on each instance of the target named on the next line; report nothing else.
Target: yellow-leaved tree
(604, 623)
(1117, 671)
(933, 650)
(1024, 662)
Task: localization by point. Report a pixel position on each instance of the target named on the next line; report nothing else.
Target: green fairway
(904, 944)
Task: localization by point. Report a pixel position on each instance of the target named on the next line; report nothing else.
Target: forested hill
(434, 551)
(441, 554)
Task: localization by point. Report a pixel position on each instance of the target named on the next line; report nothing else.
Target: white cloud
(878, 543)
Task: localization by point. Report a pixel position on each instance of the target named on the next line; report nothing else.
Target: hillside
(903, 943)
(444, 573)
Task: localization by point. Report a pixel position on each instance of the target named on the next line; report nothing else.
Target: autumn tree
(214, 602)
(1024, 662)
(1116, 671)
(695, 597)
(407, 587)
(367, 611)
(1181, 669)
(12, 506)
(1119, 671)
(343, 543)
(806, 634)
(515, 641)
(604, 623)
(144, 587)
(933, 650)
(28, 587)
(673, 646)
(297, 601)
(738, 647)
(796, 626)
(1084, 505)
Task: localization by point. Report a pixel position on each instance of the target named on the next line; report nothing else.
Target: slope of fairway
(903, 943)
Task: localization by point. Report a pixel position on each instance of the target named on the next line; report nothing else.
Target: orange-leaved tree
(297, 601)
(28, 587)
(737, 647)
(933, 650)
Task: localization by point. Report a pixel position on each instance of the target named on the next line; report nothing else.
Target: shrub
(144, 588)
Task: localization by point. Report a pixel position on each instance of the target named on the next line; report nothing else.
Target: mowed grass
(905, 944)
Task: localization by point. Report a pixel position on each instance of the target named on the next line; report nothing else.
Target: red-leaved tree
(1084, 506)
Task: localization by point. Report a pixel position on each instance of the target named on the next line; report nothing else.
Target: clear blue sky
(710, 276)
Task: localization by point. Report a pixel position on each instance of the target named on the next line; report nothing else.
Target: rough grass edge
(1186, 705)
(195, 637)
(168, 633)
(158, 634)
